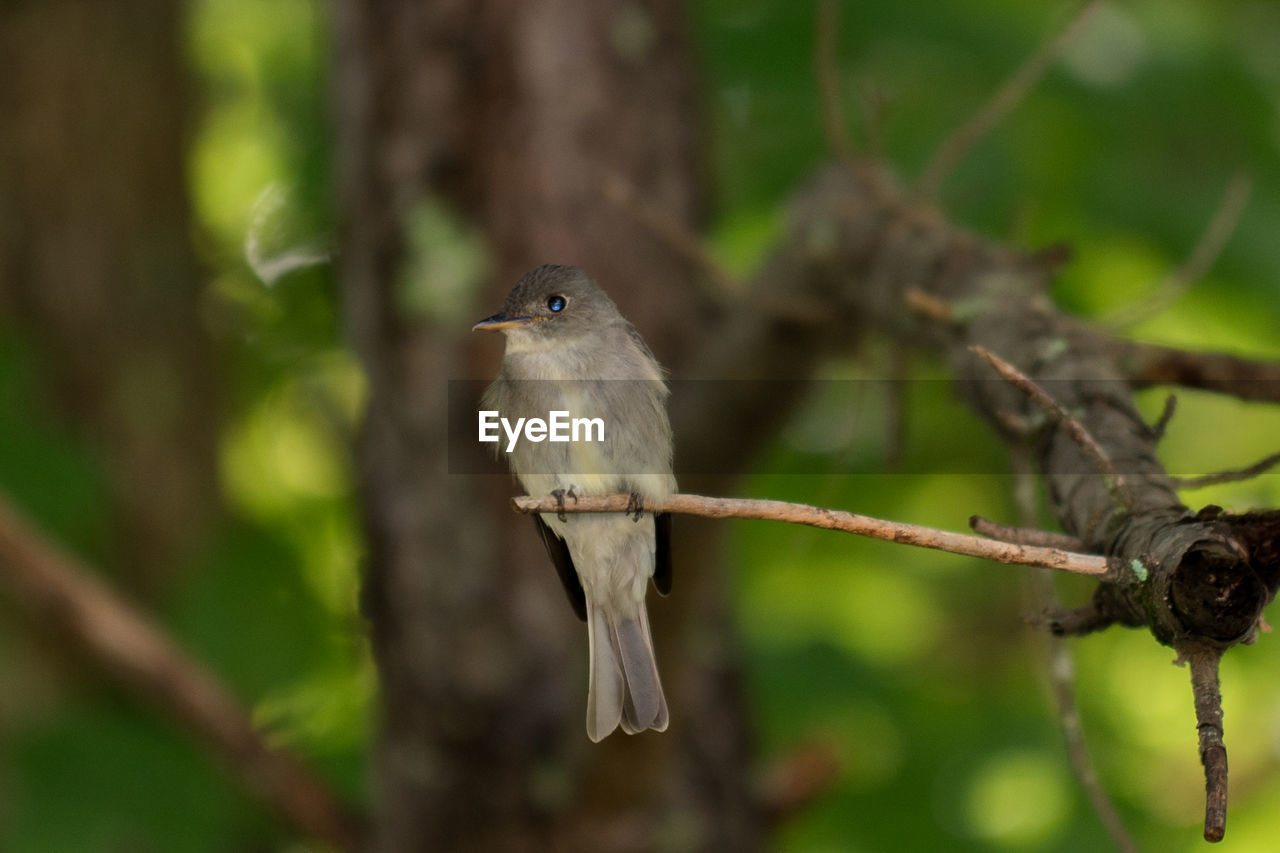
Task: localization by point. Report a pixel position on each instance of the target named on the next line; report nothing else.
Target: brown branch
(826, 68)
(1076, 430)
(1000, 104)
(1153, 364)
(1059, 666)
(687, 244)
(1161, 426)
(61, 590)
(1062, 680)
(1024, 535)
(1213, 752)
(928, 306)
(832, 519)
(1235, 476)
(1207, 249)
(621, 192)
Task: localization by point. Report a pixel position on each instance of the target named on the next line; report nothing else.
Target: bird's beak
(500, 321)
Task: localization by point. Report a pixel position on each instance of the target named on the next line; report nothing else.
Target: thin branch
(1152, 364)
(1207, 249)
(929, 307)
(1000, 104)
(832, 519)
(1161, 426)
(63, 591)
(1062, 680)
(1235, 476)
(687, 244)
(1059, 666)
(1213, 752)
(826, 67)
(1024, 535)
(1076, 621)
(1076, 430)
(619, 191)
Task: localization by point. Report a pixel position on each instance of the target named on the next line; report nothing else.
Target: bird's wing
(558, 551)
(662, 552)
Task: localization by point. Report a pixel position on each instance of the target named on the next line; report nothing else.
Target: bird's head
(549, 305)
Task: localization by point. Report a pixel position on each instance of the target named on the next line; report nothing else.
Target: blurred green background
(944, 734)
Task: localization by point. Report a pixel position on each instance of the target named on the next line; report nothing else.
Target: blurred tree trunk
(96, 267)
(513, 116)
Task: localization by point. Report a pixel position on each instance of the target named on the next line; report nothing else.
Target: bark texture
(1191, 577)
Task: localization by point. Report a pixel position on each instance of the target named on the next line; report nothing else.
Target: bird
(569, 349)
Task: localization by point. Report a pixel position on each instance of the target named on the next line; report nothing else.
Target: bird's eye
(556, 304)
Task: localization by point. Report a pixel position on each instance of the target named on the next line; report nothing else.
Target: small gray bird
(568, 349)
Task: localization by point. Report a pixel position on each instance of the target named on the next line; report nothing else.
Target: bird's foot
(635, 506)
(560, 495)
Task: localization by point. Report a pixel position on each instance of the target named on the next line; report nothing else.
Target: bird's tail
(624, 686)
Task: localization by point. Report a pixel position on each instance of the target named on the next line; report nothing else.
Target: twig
(687, 244)
(1152, 364)
(1062, 681)
(1024, 535)
(62, 590)
(1207, 249)
(929, 306)
(619, 191)
(826, 68)
(1161, 426)
(1228, 476)
(1060, 668)
(1000, 104)
(1077, 621)
(1213, 752)
(832, 519)
(1115, 481)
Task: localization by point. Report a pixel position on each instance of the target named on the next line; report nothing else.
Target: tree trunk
(513, 116)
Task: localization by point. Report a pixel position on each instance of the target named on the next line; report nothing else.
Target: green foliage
(102, 776)
(270, 602)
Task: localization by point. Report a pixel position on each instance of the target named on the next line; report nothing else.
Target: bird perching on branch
(571, 354)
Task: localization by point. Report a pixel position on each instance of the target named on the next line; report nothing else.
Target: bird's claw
(635, 506)
(560, 495)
